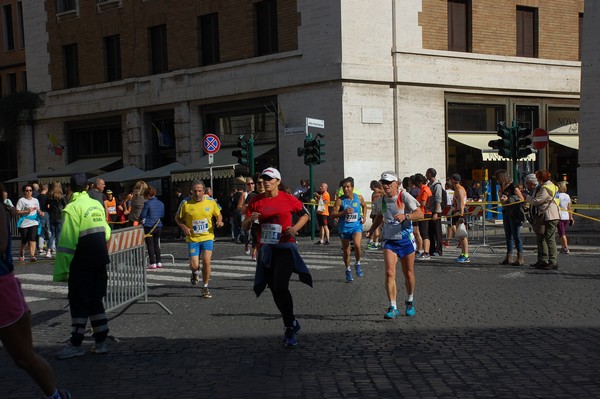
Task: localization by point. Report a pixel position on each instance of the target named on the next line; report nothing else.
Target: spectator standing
(512, 216)
(323, 199)
(81, 259)
(7, 200)
(137, 202)
(547, 213)
(15, 320)
(566, 216)
(459, 205)
(56, 203)
(423, 198)
(44, 230)
(151, 217)
(97, 191)
(28, 210)
(436, 206)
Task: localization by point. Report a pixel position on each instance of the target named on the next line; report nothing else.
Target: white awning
(120, 175)
(224, 165)
(84, 165)
(568, 140)
(480, 141)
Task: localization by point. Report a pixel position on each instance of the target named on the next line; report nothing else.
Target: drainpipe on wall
(395, 87)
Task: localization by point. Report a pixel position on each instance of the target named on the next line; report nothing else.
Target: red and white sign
(211, 143)
(125, 239)
(540, 138)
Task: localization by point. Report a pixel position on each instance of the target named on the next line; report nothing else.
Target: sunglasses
(386, 182)
(251, 183)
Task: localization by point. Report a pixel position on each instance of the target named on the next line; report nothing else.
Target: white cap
(389, 176)
(272, 173)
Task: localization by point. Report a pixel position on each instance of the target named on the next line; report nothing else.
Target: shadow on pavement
(476, 363)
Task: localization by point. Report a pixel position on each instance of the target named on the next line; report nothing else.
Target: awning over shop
(84, 165)
(120, 175)
(223, 166)
(161, 172)
(480, 141)
(568, 140)
(24, 179)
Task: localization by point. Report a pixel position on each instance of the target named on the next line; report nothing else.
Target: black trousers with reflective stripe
(87, 287)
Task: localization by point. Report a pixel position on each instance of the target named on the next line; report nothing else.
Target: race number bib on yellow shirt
(351, 218)
(271, 233)
(200, 226)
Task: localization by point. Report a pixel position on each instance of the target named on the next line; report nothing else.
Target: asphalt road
(481, 330)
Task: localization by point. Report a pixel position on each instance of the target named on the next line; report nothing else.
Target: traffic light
(523, 141)
(243, 153)
(310, 152)
(319, 144)
(505, 144)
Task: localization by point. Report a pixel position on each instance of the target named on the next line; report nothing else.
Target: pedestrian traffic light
(243, 153)
(505, 144)
(523, 141)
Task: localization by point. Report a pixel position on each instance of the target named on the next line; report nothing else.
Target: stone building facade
(402, 85)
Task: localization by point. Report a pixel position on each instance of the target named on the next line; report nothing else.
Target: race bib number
(200, 226)
(112, 209)
(352, 218)
(270, 233)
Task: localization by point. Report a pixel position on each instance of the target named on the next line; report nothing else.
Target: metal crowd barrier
(127, 271)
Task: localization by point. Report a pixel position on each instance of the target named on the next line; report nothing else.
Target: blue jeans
(512, 233)
(55, 229)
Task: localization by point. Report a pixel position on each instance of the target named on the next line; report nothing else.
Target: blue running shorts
(347, 234)
(403, 247)
(196, 248)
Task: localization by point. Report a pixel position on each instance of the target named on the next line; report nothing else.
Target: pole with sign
(211, 144)
(320, 124)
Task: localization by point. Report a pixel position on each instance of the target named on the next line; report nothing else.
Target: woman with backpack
(55, 203)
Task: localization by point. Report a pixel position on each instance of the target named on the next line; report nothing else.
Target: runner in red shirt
(278, 255)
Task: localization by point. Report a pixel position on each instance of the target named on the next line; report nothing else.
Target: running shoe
(290, 337)
(70, 351)
(371, 246)
(392, 313)
(21, 258)
(151, 266)
(33, 259)
(349, 278)
(318, 242)
(410, 309)
(159, 265)
(564, 251)
(100, 348)
(64, 394)
(462, 259)
(327, 243)
(424, 256)
(295, 328)
(195, 278)
(206, 293)
(247, 249)
(48, 254)
(359, 271)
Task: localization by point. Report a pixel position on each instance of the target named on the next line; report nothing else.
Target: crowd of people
(406, 224)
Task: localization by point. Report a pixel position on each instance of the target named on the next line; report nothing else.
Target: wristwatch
(407, 216)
